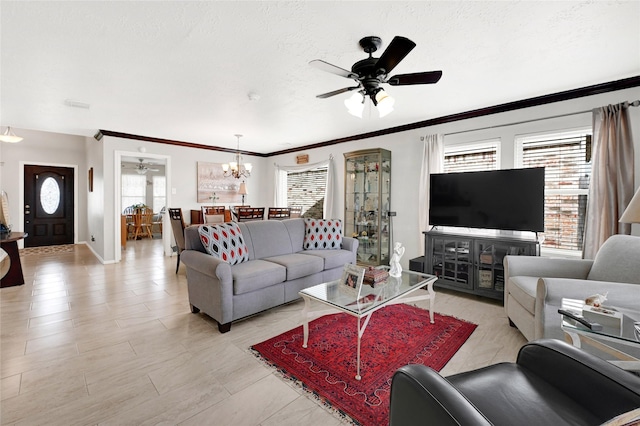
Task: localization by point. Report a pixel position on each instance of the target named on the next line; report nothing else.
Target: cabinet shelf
(367, 199)
(472, 263)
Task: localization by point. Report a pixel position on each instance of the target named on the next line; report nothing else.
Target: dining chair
(157, 219)
(247, 214)
(213, 214)
(234, 210)
(143, 219)
(278, 213)
(129, 223)
(177, 225)
(295, 211)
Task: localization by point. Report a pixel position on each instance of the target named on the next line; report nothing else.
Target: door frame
(117, 191)
(21, 166)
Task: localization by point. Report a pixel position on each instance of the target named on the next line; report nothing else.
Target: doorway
(48, 205)
(124, 162)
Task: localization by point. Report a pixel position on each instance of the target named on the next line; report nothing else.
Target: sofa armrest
(206, 264)
(536, 266)
(419, 396)
(587, 379)
(551, 291)
(350, 244)
(209, 284)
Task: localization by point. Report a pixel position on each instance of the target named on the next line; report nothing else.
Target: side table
(623, 337)
(9, 243)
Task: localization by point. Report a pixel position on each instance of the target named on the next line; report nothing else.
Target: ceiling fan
(371, 72)
(143, 168)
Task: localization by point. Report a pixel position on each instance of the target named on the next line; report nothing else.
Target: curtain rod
(627, 103)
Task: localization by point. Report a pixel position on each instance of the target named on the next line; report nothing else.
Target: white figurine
(396, 269)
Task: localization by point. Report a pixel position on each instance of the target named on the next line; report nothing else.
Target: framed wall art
(213, 186)
(91, 179)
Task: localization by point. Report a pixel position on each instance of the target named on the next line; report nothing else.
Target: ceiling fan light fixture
(9, 136)
(355, 104)
(383, 102)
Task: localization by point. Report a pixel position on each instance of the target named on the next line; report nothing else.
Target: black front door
(48, 205)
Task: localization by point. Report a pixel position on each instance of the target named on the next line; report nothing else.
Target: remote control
(592, 325)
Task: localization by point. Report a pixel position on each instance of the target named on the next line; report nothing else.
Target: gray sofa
(278, 268)
(535, 286)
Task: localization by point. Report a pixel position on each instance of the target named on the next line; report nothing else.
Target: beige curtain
(432, 162)
(612, 177)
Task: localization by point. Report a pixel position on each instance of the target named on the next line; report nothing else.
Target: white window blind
(566, 158)
(306, 189)
(134, 189)
(159, 193)
(474, 157)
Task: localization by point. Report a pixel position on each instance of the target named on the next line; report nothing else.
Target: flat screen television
(498, 199)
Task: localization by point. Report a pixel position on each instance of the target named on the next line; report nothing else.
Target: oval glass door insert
(50, 195)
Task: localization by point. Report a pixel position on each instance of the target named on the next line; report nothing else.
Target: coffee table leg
(432, 300)
(305, 321)
(358, 377)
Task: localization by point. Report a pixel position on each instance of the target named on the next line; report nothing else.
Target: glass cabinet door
(367, 203)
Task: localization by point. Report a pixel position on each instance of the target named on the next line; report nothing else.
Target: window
(134, 190)
(159, 193)
(50, 195)
(306, 189)
(475, 157)
(566, 157)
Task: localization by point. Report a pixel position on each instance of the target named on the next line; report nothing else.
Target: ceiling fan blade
(429, 77)
(395, 52)
(337, 92)
(326, 66)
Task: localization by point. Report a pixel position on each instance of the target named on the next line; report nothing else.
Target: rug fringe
(296, 383)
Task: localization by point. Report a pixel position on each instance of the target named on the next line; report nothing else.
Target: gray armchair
(551, 383)
(535, 286)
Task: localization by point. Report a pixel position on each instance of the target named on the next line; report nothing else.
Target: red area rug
(396, 335)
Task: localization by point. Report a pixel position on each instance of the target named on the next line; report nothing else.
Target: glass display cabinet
(367, 201)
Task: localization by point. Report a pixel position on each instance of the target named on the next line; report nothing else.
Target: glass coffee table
(626, 335)
(338, 297)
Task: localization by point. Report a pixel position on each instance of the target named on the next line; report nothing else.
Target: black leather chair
(551, 383)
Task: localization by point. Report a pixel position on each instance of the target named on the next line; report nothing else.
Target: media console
(472, 263)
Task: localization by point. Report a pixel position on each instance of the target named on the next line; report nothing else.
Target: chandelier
(236, 168)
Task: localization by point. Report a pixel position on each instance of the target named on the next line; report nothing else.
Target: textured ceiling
(184, 70)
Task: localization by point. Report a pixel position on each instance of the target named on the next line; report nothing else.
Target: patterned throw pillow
(224, 241)
(322, 234)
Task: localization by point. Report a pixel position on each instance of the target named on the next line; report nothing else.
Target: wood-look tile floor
(89, 344)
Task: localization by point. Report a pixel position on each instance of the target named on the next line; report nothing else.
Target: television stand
(473, 263)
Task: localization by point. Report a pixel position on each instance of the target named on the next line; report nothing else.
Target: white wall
(43, 148)
(95, 200)
(97, 213)
(406, 152)
(181, 176)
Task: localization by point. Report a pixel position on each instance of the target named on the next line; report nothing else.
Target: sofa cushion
(332, 258)
(255, 275)
(523, 289)
(267, 238)
(224, 241)
(298, 265)
(617, 260)
(322, 234)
